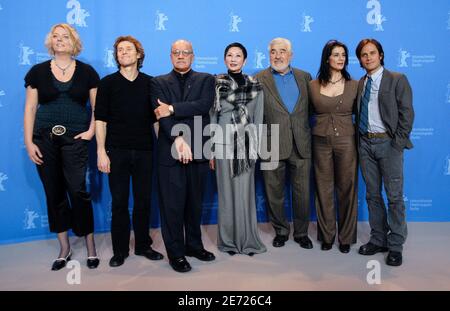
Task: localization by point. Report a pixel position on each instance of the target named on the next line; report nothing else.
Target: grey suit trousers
(274, 181)
(382, 164)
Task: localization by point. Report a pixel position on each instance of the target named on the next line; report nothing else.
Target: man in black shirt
(124, 120)
(182, 97)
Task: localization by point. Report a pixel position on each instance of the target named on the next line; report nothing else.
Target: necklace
(61, 68)
(334, 82)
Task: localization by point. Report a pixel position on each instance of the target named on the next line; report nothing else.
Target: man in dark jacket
(385, 118)
(181, 99)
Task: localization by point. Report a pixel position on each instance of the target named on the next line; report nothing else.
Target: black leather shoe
(344, 248)
(117, 260)
(279, 240)
(371, 249)
(93, 262)
(304, 242)
(326, 246)
(394, 259)
(61, 262)
(180, 264)
(231, 253)
(251, 254)
(201, 254)
(149, 254)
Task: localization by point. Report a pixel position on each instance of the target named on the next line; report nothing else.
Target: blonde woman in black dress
(57, 129)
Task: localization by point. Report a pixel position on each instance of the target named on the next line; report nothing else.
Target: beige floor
(26, 266)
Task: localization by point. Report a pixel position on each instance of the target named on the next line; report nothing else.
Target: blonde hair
(73, 35)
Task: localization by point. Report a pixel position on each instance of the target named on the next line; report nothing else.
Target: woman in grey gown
(237, 112)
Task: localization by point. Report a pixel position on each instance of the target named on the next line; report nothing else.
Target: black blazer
(396, 109)
(196, 102)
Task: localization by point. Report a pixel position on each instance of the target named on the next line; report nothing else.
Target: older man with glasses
(178, 97)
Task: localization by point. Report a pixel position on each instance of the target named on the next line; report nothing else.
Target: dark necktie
(364, 108)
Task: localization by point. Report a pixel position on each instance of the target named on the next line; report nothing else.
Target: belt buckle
(58, 130)
(377, 135)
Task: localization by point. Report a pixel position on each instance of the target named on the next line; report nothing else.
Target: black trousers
(63, 175)
(181, 189)
(134, 165)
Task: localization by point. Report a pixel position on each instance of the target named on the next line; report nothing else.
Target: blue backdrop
(415, 35)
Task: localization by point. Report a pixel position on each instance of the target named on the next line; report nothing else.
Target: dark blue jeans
(383, 164)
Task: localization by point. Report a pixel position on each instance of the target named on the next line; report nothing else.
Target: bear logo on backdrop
(2, 93)
(108, 59)
(234, 21)
(24, 54)
(306, 22)
(29, 219)
(3, 178)
(374, 17)
(259, 57)
(405, 59)
(161, 18)
(403, 55)
(76, 16)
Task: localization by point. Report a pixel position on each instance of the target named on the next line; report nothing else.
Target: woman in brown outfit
(333, 97)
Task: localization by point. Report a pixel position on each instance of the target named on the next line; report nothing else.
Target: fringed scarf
(245, 139)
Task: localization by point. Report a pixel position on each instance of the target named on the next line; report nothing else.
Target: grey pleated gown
(237, 221)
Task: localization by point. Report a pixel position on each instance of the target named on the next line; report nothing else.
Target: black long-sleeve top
(126, 108)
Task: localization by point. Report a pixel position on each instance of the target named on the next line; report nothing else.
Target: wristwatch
(171, 110)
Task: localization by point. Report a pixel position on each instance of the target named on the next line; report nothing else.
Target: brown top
(333, 114)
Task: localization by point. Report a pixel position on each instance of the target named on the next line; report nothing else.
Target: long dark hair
(324, 74)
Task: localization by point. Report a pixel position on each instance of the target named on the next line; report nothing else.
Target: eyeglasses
(179, 52)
